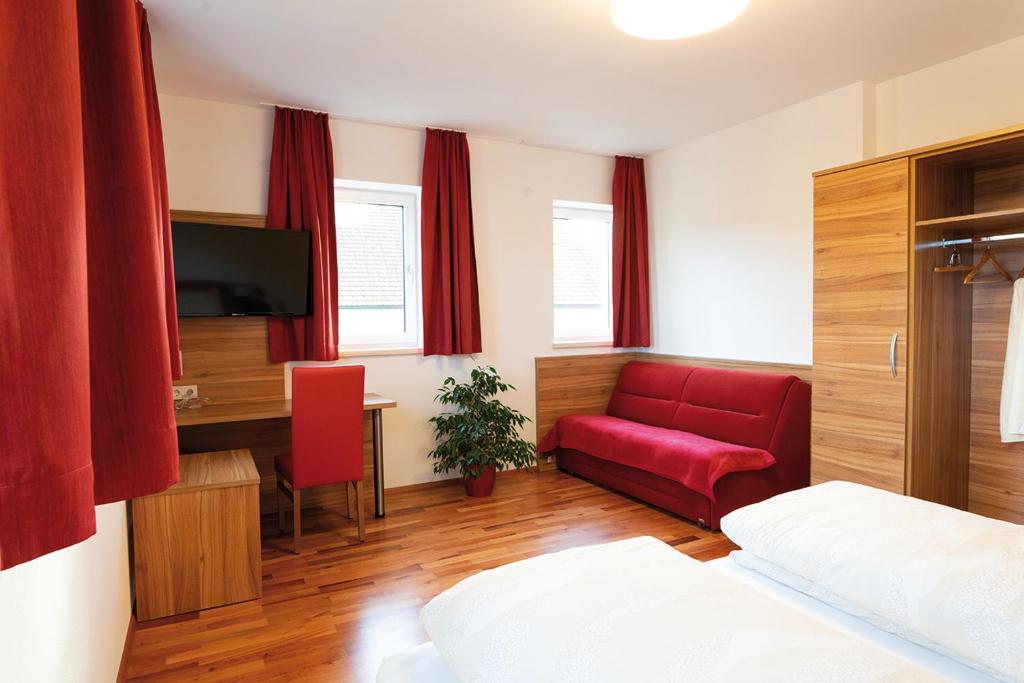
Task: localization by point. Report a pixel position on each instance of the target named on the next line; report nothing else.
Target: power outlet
(186, 391)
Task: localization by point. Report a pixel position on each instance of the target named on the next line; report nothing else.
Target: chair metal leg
(360, 511)
(297, 519)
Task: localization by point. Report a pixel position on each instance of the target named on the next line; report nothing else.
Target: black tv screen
(226, 270)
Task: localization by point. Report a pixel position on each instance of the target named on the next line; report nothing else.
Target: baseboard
(409, 488)
(129, 636)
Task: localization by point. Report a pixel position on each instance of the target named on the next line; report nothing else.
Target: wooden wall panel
(861, 223)
(575, 384)
(804, 372)
(227, 359)
(996, 468)
(246, 220)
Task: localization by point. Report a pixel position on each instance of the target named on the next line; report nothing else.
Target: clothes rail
(977, 240)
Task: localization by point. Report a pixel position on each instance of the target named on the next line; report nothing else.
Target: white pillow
(950, 577)
(798, 583)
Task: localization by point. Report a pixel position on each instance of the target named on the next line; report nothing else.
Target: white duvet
(638, 610)
(925, 571)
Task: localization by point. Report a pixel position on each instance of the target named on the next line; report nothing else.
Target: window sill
(358, 353)
(582, 344)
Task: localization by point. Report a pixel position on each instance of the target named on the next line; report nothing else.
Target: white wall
(63, 616)
(731, 221)
(732, 212)
(972, 94)
(217, 158)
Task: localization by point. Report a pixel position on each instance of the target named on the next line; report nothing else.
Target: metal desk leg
(378, 462)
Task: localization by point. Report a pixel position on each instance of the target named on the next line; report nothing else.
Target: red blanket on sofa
(692, 460)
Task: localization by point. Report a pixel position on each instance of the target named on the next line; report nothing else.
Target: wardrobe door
(858, 415)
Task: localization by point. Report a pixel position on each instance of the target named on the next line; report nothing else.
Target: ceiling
(552, 72)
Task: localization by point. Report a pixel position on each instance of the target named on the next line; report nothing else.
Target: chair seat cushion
(283, 464)
(695, 461)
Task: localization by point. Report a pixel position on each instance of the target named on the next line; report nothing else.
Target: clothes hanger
(955, 264)
(987, 257)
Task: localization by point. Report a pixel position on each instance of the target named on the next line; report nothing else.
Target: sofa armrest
(791, 440)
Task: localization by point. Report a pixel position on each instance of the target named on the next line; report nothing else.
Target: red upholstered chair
(327, 439)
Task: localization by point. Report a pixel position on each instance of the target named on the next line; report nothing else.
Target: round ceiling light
(673, 19)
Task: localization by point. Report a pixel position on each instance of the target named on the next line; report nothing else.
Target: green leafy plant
(481, 431)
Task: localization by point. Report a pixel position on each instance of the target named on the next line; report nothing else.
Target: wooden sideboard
(197, 544)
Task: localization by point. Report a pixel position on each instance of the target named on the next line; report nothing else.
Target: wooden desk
(223, 413)
(197, 544)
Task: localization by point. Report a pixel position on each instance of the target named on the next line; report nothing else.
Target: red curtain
(631, 308)
(161, 204)
(84, 355)
(301, 197)
(451, 301)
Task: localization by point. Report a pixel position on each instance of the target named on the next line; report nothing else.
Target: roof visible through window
(370, 255)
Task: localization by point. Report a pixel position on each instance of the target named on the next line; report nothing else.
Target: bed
(563, 616)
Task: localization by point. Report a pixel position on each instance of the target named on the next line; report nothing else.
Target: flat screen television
(228, 271)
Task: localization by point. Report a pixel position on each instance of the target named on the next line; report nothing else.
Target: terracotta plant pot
(482, 485)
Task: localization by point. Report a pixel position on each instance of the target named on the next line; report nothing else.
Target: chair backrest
(327, 424)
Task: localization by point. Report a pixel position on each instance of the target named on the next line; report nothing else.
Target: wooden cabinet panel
(858, 416)
(197, 544)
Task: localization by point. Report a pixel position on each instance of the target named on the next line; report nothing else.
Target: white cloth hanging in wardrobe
(1011, 405)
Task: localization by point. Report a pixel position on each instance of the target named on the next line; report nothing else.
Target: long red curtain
(87, 416)
(631, 308)
(301, 197)
(160, 194)
(451, 300)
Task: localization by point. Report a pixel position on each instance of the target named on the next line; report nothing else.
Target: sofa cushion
(695, 461)
(648, 392)
(732, 405)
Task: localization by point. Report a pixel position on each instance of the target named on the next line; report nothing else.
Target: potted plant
(481, 435)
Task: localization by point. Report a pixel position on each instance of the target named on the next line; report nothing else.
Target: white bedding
(822, 596)
(424, 664)
(928, 659)
(637, 610)
(945, 576)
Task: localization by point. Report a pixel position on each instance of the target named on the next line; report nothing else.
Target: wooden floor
(333, 612)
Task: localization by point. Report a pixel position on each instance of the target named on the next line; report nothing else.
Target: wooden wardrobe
(908, 359)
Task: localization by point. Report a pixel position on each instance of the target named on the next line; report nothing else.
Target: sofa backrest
(648, 392)
(727, 405)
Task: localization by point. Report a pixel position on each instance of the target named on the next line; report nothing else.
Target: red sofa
(699, 442)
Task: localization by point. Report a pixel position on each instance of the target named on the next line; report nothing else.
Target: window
(378, 265)
(583, 260)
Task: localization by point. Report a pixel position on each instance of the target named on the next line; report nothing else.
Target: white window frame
(564, 209)
(407, 196)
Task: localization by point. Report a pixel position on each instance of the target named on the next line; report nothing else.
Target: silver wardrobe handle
(892, 353)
